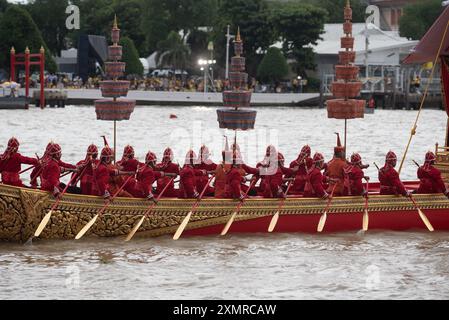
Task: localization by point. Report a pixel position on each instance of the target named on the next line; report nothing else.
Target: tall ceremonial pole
(117, 109)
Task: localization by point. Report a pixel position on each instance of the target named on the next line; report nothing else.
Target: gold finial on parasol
(13, 50)
(27, 50)
(238, 38)
(42, 50)
(115, 22)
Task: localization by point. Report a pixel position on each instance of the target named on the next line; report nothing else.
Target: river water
(375, 265)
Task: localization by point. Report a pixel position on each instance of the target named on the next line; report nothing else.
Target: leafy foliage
(131, 57)
(418, 18)
(273, 67)
(18, 30)
(172, 52)
(334, 9)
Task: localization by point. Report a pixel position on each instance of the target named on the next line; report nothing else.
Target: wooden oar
(422, 215)
(27, 169)
(323, 218)
(100, 213)
(365, 213)
(275, 218)
(47, 217)
(186, 220)
(147, 214)
(236, 212)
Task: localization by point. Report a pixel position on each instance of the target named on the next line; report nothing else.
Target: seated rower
(430, 177)
(188, 174)
(301, 175)
(146, 176)
(91, 161)
(390, 183)
(204, 163)
(167, 166)
(11, 164)
(128, 164)
(220, 174)
(52, 169)
(105, 183)
(335, 170)
(267, 167)
(274, 182)
(315, 186)
(354, 176)
(235, 179)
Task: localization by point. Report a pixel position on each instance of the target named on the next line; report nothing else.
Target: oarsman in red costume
(430, 177)
(301, 176)
(146, 176)
(167, 166)
(204, 163)
(267, 167)
(128, 164)
(274, 182)
(245, 170)
(235, 179)
(188, 176)
(315, 186)
(91, 161)
(354, 176)
(220, 174)
(335, 170)
(105, 174)
(52, 169)
(11, 163)
(390, 183)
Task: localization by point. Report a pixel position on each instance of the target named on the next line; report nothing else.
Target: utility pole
(229, 37)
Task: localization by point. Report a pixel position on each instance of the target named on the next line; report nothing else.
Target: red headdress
(391, 158)
(151, 158)
(339, 148)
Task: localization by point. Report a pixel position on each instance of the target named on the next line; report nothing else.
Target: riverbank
(164, 98)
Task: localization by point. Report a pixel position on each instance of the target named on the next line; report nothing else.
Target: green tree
(252, 16)
(334, 9)
(18, 30)
(173, 52)
(159, 17)
(97, 17)
(131, 57)
(3, 5)
(50, 17)
(299, 26)
(418, 18)
(273, 67)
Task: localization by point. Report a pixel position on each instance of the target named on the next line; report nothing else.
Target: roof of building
(378, 39)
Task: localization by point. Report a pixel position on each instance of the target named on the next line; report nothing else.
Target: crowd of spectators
(149, 83)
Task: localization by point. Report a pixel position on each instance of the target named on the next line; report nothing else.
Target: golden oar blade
(426, 220)
(86, 228)
(183, 225)
(322, 222)
(365, 220)
(229, 224)
(134, 230)
(43, 224)
(274, 222)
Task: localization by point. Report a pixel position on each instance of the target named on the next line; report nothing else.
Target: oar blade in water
(365, 220)
(229, 224)
(426, 220)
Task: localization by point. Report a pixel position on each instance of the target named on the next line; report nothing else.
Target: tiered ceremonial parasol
(234, 117)
(346, 87)
(115, 109)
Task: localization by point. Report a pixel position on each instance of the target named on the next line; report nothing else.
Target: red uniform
(170, 167)
(220, 180)
(87, 180)
(50, 176)
(188, 188)
(128, 165)
(390, 183)
(11, 165)
(300, 178)
(335, 172)
(315, 186)
(146, 176)
(430, 180)
(203, 180)
(103, 176)
(234, 180)
(354, 181)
